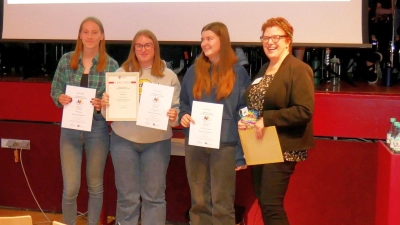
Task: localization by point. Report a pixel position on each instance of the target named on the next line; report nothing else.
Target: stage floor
(358, 88)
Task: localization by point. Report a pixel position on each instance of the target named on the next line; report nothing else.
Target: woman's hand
(64, 99)
(258, 128)
(96, 102)
(172, 114)
(104, 100)
(241, 167)
(242, 125)
(186, 120)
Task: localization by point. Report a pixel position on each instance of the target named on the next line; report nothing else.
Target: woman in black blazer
(283, 96)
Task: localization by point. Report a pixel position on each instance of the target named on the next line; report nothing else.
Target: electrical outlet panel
(15, 144)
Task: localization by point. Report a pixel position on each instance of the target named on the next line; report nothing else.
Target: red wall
(337, 185)
(337, 114)
(42, 166)
(354, 115)
(27, 101)
(388, 186)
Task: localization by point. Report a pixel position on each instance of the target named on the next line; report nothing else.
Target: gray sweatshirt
(138, 134)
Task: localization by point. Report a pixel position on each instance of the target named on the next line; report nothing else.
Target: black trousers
(270, 184)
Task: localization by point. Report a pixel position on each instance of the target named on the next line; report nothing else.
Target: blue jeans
(140, 171)
(212, 176)
(96, 145)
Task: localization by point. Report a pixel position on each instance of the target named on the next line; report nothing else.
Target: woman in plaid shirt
(84, 67)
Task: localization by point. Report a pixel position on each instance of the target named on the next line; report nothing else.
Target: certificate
(155, 101)
(78, 114)
(206, 131)
(123, 91)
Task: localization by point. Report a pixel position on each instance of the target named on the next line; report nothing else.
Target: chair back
(58, 223)
(16, 220)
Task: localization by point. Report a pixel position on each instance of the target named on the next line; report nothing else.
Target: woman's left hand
(241, 167)
(96, 102)
(258, 128)
(172, 114)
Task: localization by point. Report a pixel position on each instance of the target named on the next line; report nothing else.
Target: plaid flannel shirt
(65, 75)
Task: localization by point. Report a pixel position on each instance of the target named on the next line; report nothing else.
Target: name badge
(243, 112)
(256, 81)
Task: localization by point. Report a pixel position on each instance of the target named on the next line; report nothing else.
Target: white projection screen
(315, 22)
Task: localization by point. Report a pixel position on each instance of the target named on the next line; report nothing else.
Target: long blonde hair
(101, 66)
(133, 65)
(222, 75)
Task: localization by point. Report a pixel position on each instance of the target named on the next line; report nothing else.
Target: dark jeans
(212, 178)
(270, 184)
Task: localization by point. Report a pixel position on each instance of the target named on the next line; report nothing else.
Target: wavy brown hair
(133, 65)
(101, 66)
(283, 24)
(222, 74)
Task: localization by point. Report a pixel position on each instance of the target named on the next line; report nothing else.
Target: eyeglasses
(274, 38)
(147, 46)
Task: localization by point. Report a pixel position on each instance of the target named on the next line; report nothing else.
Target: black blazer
(289, 104)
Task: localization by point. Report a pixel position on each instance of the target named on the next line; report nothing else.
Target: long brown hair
(133, 65)
(222, 75)
(101, 66)
(283, 24)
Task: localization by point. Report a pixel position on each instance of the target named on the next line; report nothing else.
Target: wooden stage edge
(359, 87)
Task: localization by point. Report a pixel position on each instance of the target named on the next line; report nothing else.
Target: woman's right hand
(104, 100)
(186, 120)
(64, 99)
(242, 125)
